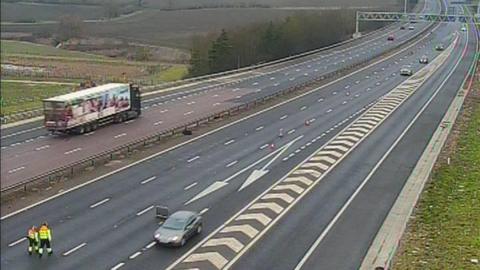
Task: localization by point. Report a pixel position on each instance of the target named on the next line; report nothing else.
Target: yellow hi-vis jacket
(44, 233)
(32, 234)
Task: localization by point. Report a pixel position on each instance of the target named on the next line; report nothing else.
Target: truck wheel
(94, 126)
(81, 129)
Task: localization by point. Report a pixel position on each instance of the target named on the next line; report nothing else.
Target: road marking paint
(257, 216)
(229, 142)
(230, 242)
(320, 100)
(16, 169)
(283, 117)
(150, 245)
(213, 257)
(291, 131)
(291, 187)
(145, 210)
(268, 205)
(42, 147)
(187, 113)
(204, 210)
(73, 151)
(120, 135)
(74, 249)
(329, 110)
(148, 180)
(99, 203)
(15, 144)
(245, 229)
(193, 159)
(231, 163)
(190, 186)
(264, 146)
(134, 255)
(259, 128)
(216, 104)
(303, 108)
(17, 242)
(118, 266)
(157, 123)
(282, 196)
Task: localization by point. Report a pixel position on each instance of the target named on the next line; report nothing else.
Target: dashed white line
(320, 100)
(17, 242)
(283, 117)
(231, 163)
(259, 128)
(329, 110)
(187, 113)
(16, 169)
(120, 135)
(291, 131)
(118, 265)
(229, 142)
(303, 108)
(148, 180)
(73, 151)
(145, 210)
(99, 203)
(264, 146)
(74, 249)
(42, 147)
(150, 245)
(157, 123)
(134, 255)
(204, 210)
(216, 104)
(190, 186)
(193, 159)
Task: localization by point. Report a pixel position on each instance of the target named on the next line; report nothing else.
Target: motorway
(24, 147)
(109, 223)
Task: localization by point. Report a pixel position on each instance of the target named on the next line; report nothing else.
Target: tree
(111, 9)
(70, 26)
(270, 41)
(219, 55)
(142, 54)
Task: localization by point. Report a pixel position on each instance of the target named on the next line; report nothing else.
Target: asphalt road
(102, 224)
(24, 148)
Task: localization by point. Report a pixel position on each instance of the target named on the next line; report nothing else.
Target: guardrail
(70, 169)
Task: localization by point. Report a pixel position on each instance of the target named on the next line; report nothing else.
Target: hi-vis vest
(44, 233)
(31, 234)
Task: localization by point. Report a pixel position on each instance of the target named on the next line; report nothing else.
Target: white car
(464, 29)
(406, 71)
(411, 27)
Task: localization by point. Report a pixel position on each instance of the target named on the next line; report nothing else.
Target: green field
(445, 233)
(17, 97)
(10, 47)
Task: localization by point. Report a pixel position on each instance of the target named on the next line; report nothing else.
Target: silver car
(406, 71)
(178, 228)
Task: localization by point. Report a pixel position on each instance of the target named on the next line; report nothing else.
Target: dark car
(391, 37)
(423, 59)
(439, 47)
(178, 228)
(402, 27)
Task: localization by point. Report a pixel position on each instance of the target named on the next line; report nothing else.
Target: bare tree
(70, 26)
(111, 9)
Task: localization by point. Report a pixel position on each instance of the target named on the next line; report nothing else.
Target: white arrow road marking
(230, 242)
(257, 216)
(268, 205)
(213, 257)
(282, 196)
(245, 229)
(257, 174)
(213, 187)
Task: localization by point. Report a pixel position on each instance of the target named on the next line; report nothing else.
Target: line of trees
(262, 42)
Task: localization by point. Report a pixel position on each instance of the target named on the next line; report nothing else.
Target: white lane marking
(150, 245)
(89, 133)
(190, 186)
(320, 100)
(17, 242)
(334, 93)
(193, 159)
(129, 121)
(21, 132)
(74, 249)
(164, 111)
(16, 169)
(15, 144)
(264, 146)
(134, 255)
(272, 78)
(42, 147)
(255, 83)
(232, 163)
(291, 79)
(291, 131)
(229, 142)
(29, 140)
(148, 180)
(145, 210)
(283, 117)
(303, 108)
(329, 110)
(99, 203)
(187, 113)
(117, 266)
(73, 151)
(203, 211)
(157, 123)
(120, 135)
(259, 128)
(216, 104)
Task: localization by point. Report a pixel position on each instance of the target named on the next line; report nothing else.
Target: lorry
(85, 110)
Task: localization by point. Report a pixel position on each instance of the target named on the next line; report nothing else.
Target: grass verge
(445, 231)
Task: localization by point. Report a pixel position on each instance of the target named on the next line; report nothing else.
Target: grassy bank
(445, 232)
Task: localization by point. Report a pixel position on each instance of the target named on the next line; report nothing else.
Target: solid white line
(17, 242)
(204, 211)
(73, 151)
(145, 210)
(231, 163)
(150, 245)
(190, 186)
(117, 266)
(119, 135)
(99, 203)
(16, 169)
(74, 249)
(211, 132)
(134, 255)
(193, 159)
(148, 180)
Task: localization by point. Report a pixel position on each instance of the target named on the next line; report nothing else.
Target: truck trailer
(85, 110)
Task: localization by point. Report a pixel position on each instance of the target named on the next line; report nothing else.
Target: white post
(405, 7)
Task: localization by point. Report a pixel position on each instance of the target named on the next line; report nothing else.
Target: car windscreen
(174, 223)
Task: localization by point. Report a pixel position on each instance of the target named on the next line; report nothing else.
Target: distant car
(411, 27)
(423, 59)
(391, 37)
(406, 71)
(439, 47)
(179, 228)
(402, 27)
(464, 29)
